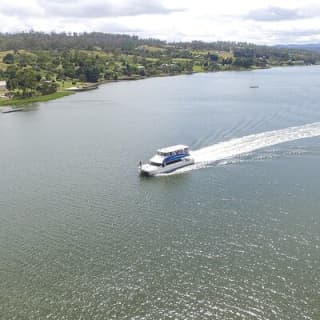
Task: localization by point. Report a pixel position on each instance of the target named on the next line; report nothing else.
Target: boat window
(174, 161)
(155, 164)
(172, 153)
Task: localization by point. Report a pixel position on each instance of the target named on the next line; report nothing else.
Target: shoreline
(21, 102)
(68, 92)
(92, 86)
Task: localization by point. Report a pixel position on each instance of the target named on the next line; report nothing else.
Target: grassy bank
(20, 102)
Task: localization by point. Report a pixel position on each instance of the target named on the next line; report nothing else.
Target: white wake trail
(235, 147)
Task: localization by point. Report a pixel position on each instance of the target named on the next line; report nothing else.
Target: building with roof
(3, 85)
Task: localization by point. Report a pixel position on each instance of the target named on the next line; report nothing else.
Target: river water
(235, 236)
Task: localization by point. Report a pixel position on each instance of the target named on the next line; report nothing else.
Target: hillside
(314, 47)
(39, 64)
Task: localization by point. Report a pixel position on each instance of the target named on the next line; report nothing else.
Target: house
(3, 85)
(296, 62)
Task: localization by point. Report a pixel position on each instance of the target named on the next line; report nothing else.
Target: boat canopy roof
(178, 147)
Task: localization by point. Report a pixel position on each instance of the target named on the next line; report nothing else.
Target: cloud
(106, 8)
(272, 14)
(84, 8)
(173, 20)
(12, 9)
(115, 27)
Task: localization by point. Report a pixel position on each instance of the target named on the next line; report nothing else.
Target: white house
(3, 85)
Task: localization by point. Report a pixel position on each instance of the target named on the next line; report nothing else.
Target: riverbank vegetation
(44, 98)
(37, 65)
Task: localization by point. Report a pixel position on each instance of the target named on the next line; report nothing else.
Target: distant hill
(305, 47)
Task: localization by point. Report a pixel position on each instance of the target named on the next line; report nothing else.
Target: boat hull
(150, 170)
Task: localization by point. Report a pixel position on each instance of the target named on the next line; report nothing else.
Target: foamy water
(229, 149)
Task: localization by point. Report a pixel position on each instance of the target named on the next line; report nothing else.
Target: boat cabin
(173, 150)
(170, 155)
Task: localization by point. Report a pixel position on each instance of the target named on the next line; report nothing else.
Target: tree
(11, 72)
(27, 81)
(227, 60)
(69, 70)
(47, 87)
(213, 57)
(8, 58)
(243, 62)
(108, 74)
(92, 73)
(12, 84)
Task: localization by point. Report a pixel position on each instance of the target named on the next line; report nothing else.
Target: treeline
(62, 41)
(108, 41)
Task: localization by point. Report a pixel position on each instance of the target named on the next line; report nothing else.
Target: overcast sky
(261, 22)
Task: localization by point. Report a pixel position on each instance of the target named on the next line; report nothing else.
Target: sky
(262, 22)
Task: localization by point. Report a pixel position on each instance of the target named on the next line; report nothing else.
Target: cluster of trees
(28, 82)
(86, 66)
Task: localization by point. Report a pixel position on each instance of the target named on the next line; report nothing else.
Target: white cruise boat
(167, 160)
